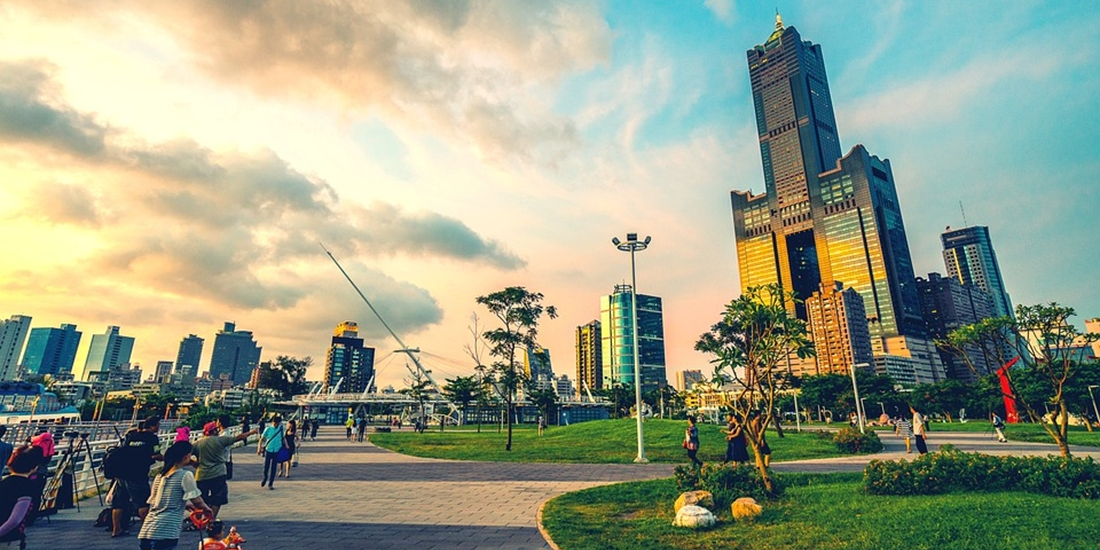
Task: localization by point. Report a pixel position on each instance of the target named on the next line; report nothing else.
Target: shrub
(727, 482)
(950, 470)
(851, 441)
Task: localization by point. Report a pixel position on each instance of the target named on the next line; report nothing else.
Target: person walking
(349, 424)
(313, 430)
(904, 429)
(291, 437)
(272, 441)
(132, 487)
(172, 489)
(691, 441)
(736, 450)
(362, 430)
(920, 431)
(999, 426)
(212, 452)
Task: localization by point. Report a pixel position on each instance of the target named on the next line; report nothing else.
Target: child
(172, 489)
(214, 541)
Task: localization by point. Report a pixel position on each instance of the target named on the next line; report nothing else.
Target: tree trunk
(765, 475)
(479, 417)
(778, 426)
(508, 445)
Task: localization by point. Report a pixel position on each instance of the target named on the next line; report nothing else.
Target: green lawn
(824, 512)
(601, 441)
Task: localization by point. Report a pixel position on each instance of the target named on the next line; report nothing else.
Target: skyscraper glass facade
(235, 355)
(617, 339)
(349, 363)
(188, 356)
(107, 352)
(969, 258)
(51, 350)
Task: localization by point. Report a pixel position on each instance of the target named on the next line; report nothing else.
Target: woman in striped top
(904, 429)
(172, 489)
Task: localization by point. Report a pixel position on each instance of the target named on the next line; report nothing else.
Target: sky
(169, 166)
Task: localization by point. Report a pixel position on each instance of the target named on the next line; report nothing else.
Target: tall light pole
(1093, 397)
(855, 390)
(633, 245)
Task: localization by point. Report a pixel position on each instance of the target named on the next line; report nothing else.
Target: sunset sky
(169, 166)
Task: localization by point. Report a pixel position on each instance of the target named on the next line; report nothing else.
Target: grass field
(824, 512)
(601, 441)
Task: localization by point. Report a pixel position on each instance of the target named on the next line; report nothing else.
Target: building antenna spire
(963, 214)
(778, 20)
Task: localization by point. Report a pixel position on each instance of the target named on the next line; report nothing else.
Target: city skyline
(163, 178)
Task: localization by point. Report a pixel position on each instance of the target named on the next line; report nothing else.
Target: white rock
(694, 517)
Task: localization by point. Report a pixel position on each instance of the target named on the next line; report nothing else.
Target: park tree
(518, 310)
(417, 388)
(461, 390)
(1046, 348)
(286, 375)
(546, 401)
(751, 345)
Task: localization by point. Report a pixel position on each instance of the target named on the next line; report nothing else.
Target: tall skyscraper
(107, 352)
(589, 357)
(190, 352)
(235, 354)
(968, 256)
(349, 362)
(947, 305)
(13, 333)
(685, 379)
(51, 351)
(536, 364)
(838, 324)
(617, 339)
(824, 217)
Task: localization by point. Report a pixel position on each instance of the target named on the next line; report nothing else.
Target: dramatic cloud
(467, 69)
(230, 226)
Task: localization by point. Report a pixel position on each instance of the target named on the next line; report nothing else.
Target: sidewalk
(354, 495)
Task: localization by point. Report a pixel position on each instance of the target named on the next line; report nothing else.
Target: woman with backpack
(172, 489)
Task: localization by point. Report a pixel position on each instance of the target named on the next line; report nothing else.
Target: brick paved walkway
(347, 496)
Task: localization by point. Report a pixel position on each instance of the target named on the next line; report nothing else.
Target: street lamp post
(855, 390)
(797, 415)
(633, 245)
(1093, 397)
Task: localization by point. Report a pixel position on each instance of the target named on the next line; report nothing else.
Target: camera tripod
(68, 466)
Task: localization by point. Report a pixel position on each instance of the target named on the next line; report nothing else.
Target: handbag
(283, 454)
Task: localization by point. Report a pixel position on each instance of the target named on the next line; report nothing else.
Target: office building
(838, 327)
(13, 334)
(969, 257)
(589, 357)
(349, 366)
(617, 339)
(947, 305)
(107, 352)
(536, 364)
(51, 351)
(685, 379)
(163, 372)
(824, 217)
(188, 356)
(563, 386)
(235, 355)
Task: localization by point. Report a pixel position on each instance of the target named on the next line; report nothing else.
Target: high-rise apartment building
(685, 379)
(617, 339)
(589, 357)
(349, 363)
(163, 371)
(824, 217)
(536, 364)
(947, 305)
(969, 257)
(13, 334)
(838, 325)
(51, 351)
(235, 354)
(187, 358)
(107, 352)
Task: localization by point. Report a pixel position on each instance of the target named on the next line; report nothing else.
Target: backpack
(103, 519)
(122, 460)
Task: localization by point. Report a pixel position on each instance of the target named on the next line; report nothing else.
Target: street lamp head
(647, 239)
(631, 237)
(615, 241)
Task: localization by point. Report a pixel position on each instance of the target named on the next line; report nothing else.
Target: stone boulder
(694, 498)
(745, 509)
(694, 517)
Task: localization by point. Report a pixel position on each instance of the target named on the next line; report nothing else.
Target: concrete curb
(542, 529)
